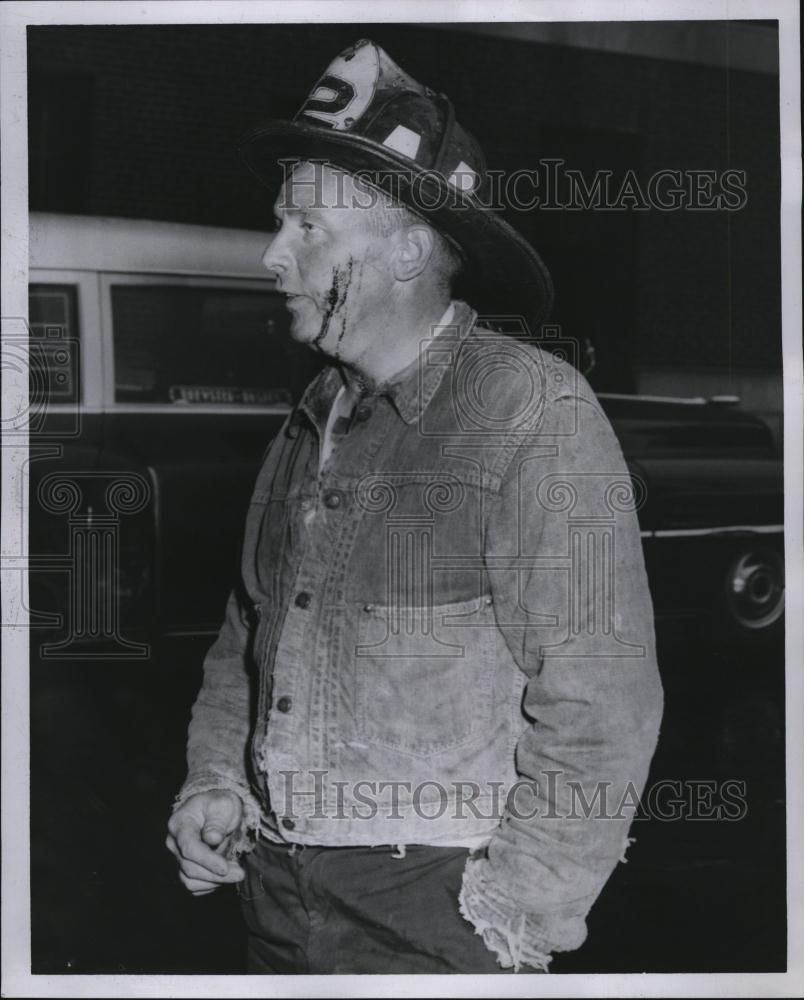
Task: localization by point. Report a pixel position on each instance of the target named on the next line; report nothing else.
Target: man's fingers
(175, 823)
(213, 834)
(198, 887)
(199, 832)
(222, 815)
(194, 871)
(192, 848)
(172, 846)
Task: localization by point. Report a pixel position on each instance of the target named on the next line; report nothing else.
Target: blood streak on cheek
(335, 299)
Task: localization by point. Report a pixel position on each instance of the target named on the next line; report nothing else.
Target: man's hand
(199, 832)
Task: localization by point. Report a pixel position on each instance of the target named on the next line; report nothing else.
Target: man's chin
(302, 330)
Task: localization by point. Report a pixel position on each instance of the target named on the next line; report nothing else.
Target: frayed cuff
(515, 937)
(252, 822)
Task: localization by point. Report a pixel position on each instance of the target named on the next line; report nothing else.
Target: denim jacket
(458, 647)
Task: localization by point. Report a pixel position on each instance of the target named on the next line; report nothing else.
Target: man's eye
(308, 226)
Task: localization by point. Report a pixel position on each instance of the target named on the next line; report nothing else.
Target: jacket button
(363, 413)
(288, 823)
(332, 499)
(303, 599)
(284, 704)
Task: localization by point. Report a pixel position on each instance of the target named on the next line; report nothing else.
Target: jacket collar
(410, 391)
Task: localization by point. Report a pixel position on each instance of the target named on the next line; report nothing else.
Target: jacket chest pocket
(424, 675)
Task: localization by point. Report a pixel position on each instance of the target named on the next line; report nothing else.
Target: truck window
(53, 351)
(190, 345)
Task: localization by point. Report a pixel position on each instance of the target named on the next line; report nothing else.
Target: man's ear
(413, 251)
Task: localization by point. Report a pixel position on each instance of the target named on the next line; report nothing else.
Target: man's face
(333, 269)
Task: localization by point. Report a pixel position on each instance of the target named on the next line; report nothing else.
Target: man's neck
(393, 352)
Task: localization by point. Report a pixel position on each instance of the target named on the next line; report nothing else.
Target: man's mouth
(292, 298)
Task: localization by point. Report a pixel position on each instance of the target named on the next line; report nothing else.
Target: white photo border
(15, 17)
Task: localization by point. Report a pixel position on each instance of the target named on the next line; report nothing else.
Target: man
(432, 704)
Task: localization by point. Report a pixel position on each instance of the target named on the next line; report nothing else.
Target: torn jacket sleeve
(575, 609)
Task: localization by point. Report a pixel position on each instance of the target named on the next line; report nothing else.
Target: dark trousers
(358, 909)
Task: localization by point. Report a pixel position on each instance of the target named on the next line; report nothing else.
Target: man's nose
(276, 257)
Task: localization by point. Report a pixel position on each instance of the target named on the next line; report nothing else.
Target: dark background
(141, 122)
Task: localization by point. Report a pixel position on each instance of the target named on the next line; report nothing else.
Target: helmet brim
(504, 276)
